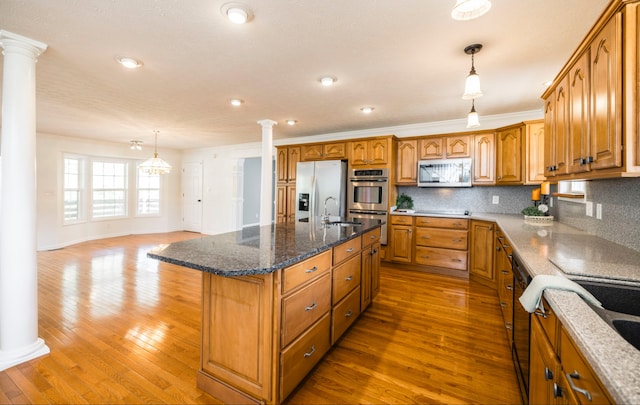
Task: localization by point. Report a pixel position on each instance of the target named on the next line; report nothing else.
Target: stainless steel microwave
(444, 173)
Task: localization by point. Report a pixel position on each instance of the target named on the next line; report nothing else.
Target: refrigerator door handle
(312, 199)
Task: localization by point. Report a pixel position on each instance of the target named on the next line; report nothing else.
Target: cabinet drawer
(576, 369)
(437, 222)
(401, 220)
(444, 238)
(370, 237)
(549, 323)
(346, 250)
(299, 358)
(344, 314)
(304, 307)
(300, 273)
(346, 277)
(436, 257)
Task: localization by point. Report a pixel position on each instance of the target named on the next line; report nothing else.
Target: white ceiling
(403, 57)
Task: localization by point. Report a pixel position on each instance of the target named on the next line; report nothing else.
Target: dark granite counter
(258, 250)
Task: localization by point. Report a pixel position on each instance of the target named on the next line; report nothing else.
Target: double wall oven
(368, 196)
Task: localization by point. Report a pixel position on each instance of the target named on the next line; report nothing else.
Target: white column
(19, 341)
(266, 193)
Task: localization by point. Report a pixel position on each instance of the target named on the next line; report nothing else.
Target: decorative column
(19, 341)
(266, 185)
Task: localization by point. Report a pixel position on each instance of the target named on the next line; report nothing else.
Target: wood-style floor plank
(125, 329)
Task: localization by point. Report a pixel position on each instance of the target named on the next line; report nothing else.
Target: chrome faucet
(325, 217)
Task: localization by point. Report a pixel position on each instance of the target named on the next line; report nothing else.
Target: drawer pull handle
(311, 270)
(311, 307)
(548, 374)
(457, 240)
(509, 287)
(504, 271)
(372, 237)
(425, 237)
(576, 375)
(348, 314)
(503, 304)
(456, 260)
(540, 313)
(349, 278)
(508, 325)
(425, 257)
(313, 350)
(374, 251)
(349, 250)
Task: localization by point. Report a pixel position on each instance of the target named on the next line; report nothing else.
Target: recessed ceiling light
(292, 122)
(129, 63)
(236, 102)
(367, 110)
(469, 9)
(328, 81)
(237, 13)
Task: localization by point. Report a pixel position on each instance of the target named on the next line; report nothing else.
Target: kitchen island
(275, 299)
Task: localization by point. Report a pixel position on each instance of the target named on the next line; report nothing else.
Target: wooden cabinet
(481, 255)
(287, 159)
(449, 146)
(442, 243)
(324, 151)
(458, 146)
(368, 152)
(505, 280)
(534, 152)
(431, 147)
(407, 162)
(484, 159)
(544, 367)
(345, 297)
(400, 248)
(509, 154)
(370, 279)
(599, 86)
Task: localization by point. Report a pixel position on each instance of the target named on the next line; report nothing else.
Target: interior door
(192, 197)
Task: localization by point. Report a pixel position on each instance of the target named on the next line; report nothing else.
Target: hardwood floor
(123, 328)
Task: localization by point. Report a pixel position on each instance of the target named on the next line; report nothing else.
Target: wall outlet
(551, 202)
(589, 208)
(496, 199)
(598, 211)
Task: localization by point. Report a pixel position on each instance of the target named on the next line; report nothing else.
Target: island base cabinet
(237, 333)
(300, 357)
(344, 314)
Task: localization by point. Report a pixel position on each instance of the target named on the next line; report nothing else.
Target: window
(109, 184)
(148, 193)
(72, 190)
(574, 191)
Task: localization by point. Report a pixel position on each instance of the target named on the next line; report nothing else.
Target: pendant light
(469, 9)
(472, 119)
(472, 84)
(155, 165)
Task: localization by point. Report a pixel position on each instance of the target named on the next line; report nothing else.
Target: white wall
(52, 233)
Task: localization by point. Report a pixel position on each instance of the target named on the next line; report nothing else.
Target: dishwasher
(521, 325)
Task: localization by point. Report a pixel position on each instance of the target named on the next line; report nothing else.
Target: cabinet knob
(548, 374)
(557, 391)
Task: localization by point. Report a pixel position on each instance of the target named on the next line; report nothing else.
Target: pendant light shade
(472, 119)
(155, 165)
(469, 9)
(472, 84)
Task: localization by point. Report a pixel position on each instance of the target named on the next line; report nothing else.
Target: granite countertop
(559, 249)
(259, 250)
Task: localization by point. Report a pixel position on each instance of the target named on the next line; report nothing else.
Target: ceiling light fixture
(472, 84)
(236, 102)
(155, 165)
(472, 119)
(367, 110)
(292, 122)
(328, 81)
(469, 9)
(135, 145)
(237, 13)
(129, 63)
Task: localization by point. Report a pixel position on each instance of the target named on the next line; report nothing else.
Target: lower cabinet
(261, 335)
(400, 248)
(504, 280)
(481, 252)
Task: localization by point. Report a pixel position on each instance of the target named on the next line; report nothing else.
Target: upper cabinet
(370, 152)
(591, 109)
(534, 152)
(442, 147)
(324, 151)
(407, 162)
(286, 163)
(431, 147)
(484, 159)
(509, 155)
(458, 146)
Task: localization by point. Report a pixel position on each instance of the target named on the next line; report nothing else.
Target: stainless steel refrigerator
(321, 185)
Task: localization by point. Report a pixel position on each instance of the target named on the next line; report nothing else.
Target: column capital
(266, 123)
(19, 43)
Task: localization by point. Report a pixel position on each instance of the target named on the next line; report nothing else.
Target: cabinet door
(579, 115)
(293, 157)
(534, 173)
(482, 249)
(335, 150)
(544, 368)
(431, 148)
(375, 269)
(281, 204)
(365, 279)
(358, 153)
(401, 244)
(378, 151)
(458, 146)
(606, 97)
(484, 159)
(561, 129)
(282, 165)
(407, 164)
(509, 156)
(311, 152)
(291, 203)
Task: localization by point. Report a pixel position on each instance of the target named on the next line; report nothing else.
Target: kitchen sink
(621, 307)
